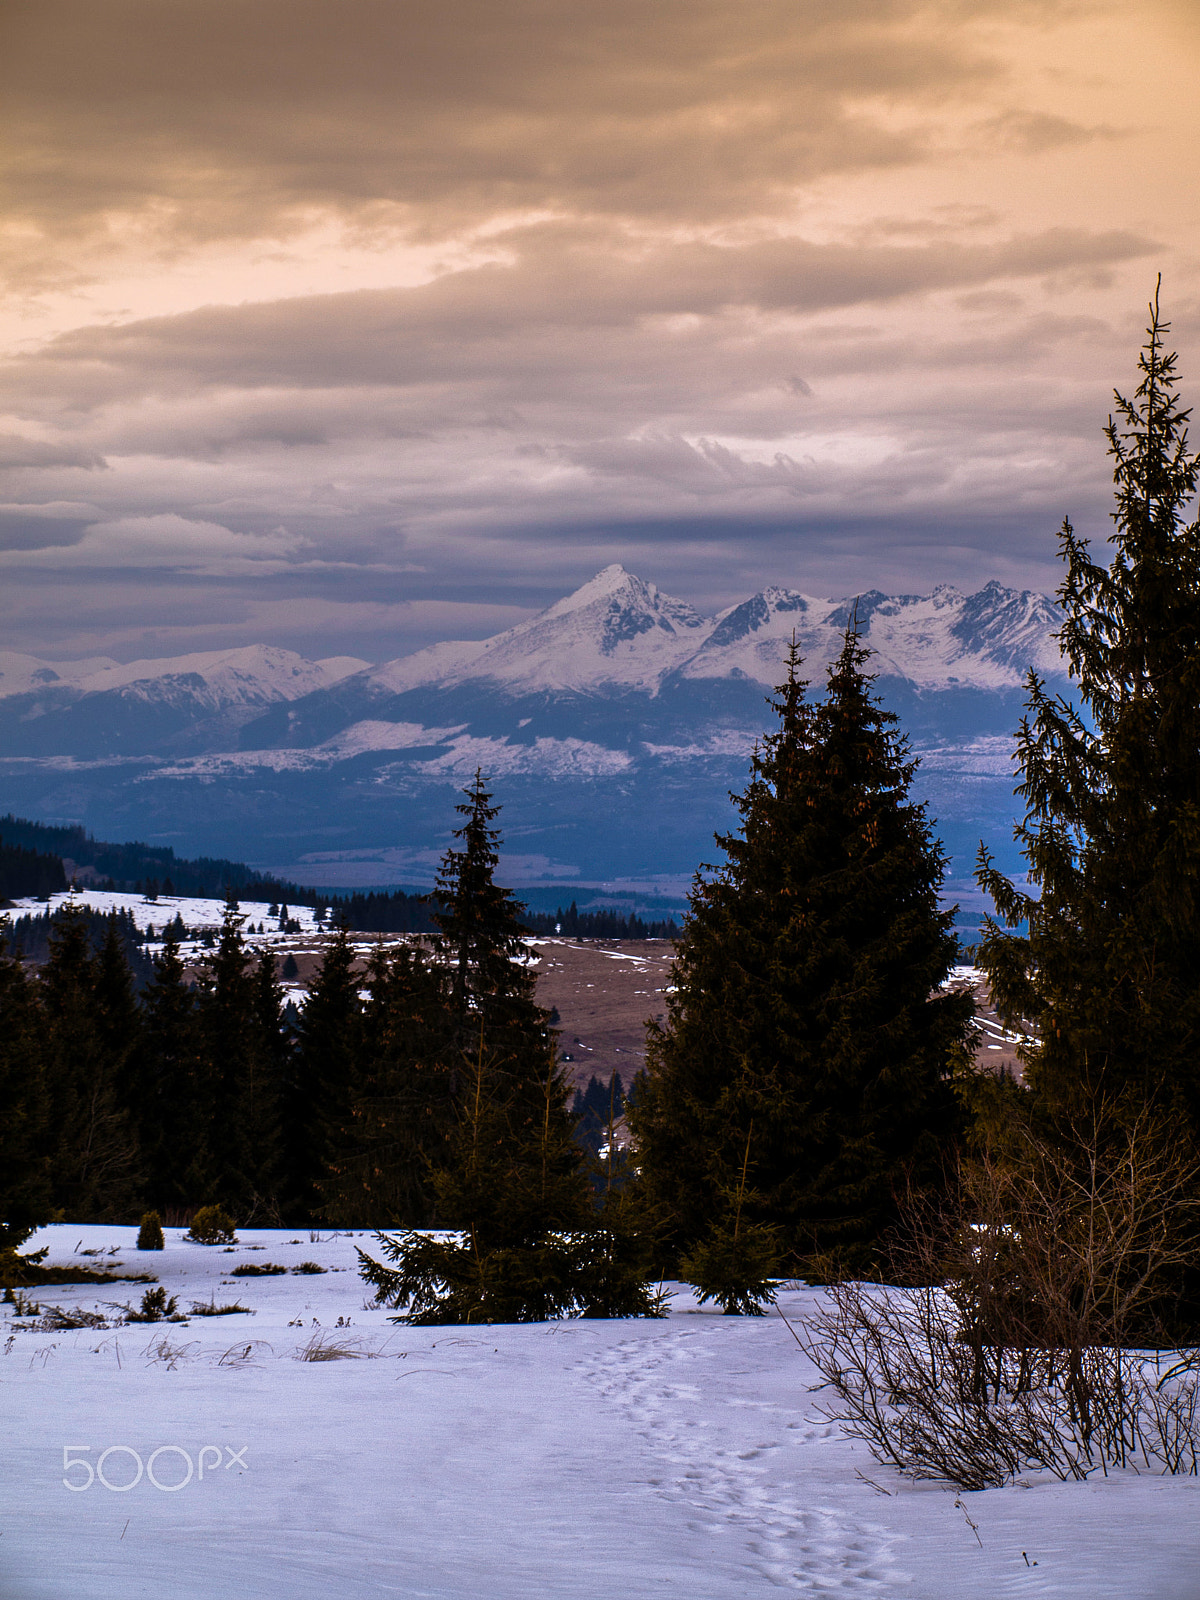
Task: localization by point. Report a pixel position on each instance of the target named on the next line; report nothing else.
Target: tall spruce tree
(225, 1014)
(93, 1152)
(1106, 970)
(325, 1070)
(270, 1065)
(169, 1103)
(511, 1178)
(400, 1107)
(25, 1197)
(802, 1075)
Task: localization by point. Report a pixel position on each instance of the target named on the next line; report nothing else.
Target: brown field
(605, 991)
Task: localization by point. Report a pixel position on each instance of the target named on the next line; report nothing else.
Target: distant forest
(32, 856)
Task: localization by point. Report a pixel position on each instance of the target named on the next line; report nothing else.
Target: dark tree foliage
(225, 1013)
(269, 1075)
(400, 1106)
(33, 933)
(384, 911)
(510, 1179)
(91, 1146)
(324, 1072)
(139, 867)
(1107, 969)
(596, 1110)
(29, 874)
(802, 1075)
(168, 1101)
(26, 1201)
(575, 924)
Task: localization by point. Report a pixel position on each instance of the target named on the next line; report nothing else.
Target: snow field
(574, 1459)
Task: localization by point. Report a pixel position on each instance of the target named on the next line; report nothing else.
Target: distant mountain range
(612, 726)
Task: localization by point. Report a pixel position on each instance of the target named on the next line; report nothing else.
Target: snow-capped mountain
(613, 725)
(254, 675)
(620, 631)
(614, 630)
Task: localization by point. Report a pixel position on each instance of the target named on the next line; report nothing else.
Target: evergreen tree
(225, 1013)
(25, 1198)
(511, 1178)
(400, 1098)
(92, 1154)
(118, 1016)
(167, 1105)
(1107, 969)
(325, 1070)
(802, 1074)
(271, 1060)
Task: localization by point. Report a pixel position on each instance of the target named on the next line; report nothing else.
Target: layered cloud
(370, 304)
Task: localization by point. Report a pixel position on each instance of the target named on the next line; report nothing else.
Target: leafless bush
(1014, 1346)
(56, 1319)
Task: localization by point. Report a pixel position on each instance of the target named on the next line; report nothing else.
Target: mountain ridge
(613, 724)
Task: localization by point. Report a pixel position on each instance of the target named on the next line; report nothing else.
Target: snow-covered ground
(578, 1459)
(196, 912)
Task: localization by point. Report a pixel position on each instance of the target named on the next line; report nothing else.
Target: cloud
(166, 540)
(473, 299)
(228, 119)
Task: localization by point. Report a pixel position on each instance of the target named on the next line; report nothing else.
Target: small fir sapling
(150, 1234)
(733, 1264)
(212, 1225)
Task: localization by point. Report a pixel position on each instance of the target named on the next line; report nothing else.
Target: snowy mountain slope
(613, 724)
(615, 630)
(987, 640)
(195, 701)
(254, 674)
(19, 674)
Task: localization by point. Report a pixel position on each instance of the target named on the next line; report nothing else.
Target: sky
(349, 325)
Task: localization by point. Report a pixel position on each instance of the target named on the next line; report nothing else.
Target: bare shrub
(1012, 1342)
(56, 1319)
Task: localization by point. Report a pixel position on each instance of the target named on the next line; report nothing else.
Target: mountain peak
(607, 584)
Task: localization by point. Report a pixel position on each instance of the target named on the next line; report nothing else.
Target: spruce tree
(802, 1075)
(511, 1178)
(400, 1107)
(269, 1074)
(225, 1012)
(92, 1154)
(118, 1016)
(167, 1105)
(25, 1197)
(324, 1072)
(1106, 967)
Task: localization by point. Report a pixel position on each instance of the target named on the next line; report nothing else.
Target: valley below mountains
(611, 727)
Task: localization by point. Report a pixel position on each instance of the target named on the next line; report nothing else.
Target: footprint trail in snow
(736, 1466)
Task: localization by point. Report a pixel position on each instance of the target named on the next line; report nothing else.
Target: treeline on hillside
(382, 911)
(26, 873)
(135, 868)
(575, 924)
(31, 937)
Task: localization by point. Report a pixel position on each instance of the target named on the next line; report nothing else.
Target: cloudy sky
(352, 324)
